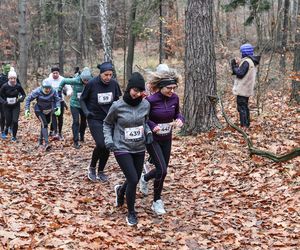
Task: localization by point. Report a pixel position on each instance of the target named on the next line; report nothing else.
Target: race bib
(135, 133)
(105, 98)
(11, 100)
(47, 111)
(165, 128)
(79, 95)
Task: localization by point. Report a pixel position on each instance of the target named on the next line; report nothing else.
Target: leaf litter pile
(216, 196)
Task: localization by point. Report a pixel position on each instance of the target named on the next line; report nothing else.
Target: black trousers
(243, 109)
(100, 152)
(159, 152)
(2, 118)
(79, 123)
(132, 167)
(58, 121)
(12, 118)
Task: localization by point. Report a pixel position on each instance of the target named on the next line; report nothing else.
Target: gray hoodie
(126, 126)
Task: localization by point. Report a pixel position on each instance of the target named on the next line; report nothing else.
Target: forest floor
(215, 194)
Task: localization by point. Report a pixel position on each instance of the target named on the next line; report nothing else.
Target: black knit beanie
(136, 81)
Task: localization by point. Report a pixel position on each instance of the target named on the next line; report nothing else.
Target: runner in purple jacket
(164, 115)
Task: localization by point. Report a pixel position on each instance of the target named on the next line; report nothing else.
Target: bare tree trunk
(131, 40)
(284, 36)
(80, 54)
(161, 32)
(279, 25)
(296, 68)
(61, 56)
(124, 41)
(227, 25)
(105, 30)
(23, 44)
(200, 68)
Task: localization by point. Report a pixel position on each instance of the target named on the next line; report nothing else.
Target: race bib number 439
(105, 98)
(135, 133)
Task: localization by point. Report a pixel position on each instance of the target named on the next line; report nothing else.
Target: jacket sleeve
(241, 71)
(33, 95)
(2, 99)
(23, 95)
(84, 96)
(108, 124)
(56, 100)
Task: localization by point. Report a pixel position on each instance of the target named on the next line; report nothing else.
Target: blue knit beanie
(106, 66)
(247, 50)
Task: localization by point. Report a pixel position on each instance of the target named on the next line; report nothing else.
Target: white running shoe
(143, 185)
(158, 207)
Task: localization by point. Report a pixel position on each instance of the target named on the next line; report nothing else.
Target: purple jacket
(163, 110)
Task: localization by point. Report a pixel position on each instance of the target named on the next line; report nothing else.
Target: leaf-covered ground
(216, 196)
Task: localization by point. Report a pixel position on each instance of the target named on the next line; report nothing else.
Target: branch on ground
(253, 150)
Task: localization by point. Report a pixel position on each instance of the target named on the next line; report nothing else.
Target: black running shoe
(131, 219)
(119, 198)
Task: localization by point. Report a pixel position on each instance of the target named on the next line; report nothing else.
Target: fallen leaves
(216, 196)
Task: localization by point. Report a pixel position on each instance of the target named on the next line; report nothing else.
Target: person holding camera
(245, 70)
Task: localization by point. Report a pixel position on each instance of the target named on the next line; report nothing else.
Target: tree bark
(284, 36)
(279, 25)
(161, 32)
(81, 34)
(131, 39)
(200, 68)
(23, 44)
(105, 30)
(61, 56)
(296, 68)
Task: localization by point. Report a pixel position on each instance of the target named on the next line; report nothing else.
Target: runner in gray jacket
(126, 132)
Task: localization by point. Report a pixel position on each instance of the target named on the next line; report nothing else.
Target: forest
(228, 186)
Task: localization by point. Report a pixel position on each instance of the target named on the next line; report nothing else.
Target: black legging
(160, 156)
(58, 121)
(2, 118)
(12, 118)
(132, 167)
(78, 127)
(243, 109)
(100, 152)
(45, 120)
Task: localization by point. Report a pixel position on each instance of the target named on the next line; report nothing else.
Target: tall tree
(80, 53)
(284, 35)
(23, 44)
(61, 54)
(105, 30)
(131, 38)
(161, 32)
(296, 82)
(200, 68)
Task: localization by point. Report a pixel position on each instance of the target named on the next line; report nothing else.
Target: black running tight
(160, 156)
(132, 167)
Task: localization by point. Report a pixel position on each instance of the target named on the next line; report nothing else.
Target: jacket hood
(255, 59)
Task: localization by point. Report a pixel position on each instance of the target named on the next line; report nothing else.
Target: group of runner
(141, 120)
